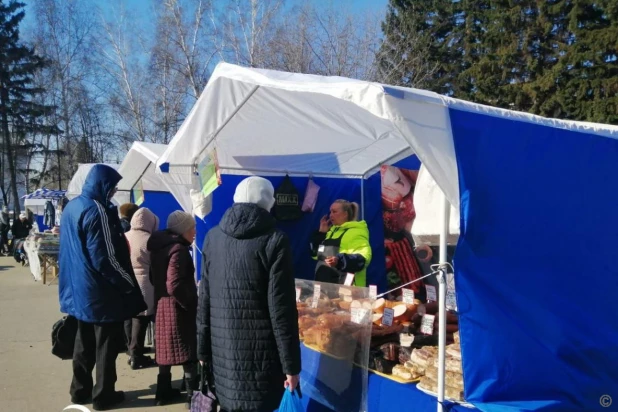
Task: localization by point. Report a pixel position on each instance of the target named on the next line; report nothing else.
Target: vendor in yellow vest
(341, 246)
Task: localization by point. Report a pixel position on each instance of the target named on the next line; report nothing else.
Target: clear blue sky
(144, 6)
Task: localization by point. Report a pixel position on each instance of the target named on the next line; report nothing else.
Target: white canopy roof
(264, 121)
(77, 182)
(140, 165)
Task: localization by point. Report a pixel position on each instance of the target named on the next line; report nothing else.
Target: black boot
(192, 384)
(165, 393)
(140, 362)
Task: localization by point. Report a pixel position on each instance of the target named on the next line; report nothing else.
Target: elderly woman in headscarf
(247, 316)
(143, 224)
(172, 271)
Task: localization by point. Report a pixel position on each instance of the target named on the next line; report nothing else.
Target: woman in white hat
(247, 317)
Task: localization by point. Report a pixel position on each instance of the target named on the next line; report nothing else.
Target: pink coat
(143, 224)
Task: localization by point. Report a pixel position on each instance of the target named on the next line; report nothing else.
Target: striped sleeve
(101, 252)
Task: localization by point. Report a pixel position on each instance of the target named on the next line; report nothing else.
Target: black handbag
(63, 337)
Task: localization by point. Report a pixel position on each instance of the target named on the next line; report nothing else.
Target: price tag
(316, 296)
(297, 294)
(408, 296)
(373, 291)
(359, 315)
(427, 324)
(349, 279)
(387, 317)
(431, 293)
(451, 300)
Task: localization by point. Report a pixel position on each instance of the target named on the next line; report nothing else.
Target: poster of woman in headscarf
(398, 215)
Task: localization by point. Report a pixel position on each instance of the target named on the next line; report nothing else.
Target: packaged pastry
(450, 364)
(452, 379)
(454, 351)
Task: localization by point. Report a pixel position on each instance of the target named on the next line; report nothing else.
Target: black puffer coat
(247, 317)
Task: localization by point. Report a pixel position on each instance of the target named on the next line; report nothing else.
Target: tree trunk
(4, 119)
(13, 173)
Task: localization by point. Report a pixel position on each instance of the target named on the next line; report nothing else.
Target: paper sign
(451, 300)
(208, 170)
(408, 296)
(349, 279)
(373, 291)
(427, 324)
(138, 193)
(297, 294)
(316, 296)
(387, 317)
(359, 315)
(431, 293)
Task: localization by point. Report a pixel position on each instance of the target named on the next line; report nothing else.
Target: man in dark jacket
(4, 230)
(21, 227)
(97, 286)
(247, 316)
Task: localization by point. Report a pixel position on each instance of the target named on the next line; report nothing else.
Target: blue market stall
(535, 200)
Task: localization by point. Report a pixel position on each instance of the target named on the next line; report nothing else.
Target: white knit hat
(256, 190)
(180, 222)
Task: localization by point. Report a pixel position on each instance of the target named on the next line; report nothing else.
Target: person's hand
(324, 224)
(331, 261)
(291, 382)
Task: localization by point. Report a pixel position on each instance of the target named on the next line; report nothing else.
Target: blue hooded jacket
(96, 280)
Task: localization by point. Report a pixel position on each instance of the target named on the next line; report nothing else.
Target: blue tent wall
(161, 204)
(535, 265)
(300, 232)
(39, 221)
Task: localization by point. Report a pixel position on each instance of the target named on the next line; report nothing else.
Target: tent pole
(195, 252)
(362, 207)
(442, 300)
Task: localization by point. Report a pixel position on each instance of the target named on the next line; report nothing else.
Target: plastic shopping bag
(290, 402)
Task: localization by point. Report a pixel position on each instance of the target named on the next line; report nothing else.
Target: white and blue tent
(535, 261)
(138, 172)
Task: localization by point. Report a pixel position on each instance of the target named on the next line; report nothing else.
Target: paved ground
(31, 378)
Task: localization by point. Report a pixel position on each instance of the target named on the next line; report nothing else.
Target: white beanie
(256, 190)
(179, 222)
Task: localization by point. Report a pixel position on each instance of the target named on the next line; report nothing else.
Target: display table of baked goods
(383, 394)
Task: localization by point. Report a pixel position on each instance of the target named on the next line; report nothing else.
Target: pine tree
(18, 64)
(555, 58)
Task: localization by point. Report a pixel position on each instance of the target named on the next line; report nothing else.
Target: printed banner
(138, 193)
(208, 170)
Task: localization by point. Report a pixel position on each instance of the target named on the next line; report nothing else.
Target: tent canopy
(535, 203)
(139, 165)
(44, 193)
(77, 182)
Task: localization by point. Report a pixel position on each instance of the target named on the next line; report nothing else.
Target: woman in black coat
(247, 317)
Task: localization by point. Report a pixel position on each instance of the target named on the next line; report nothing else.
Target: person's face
(337, 216)
(189, 235)
(112, 193)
